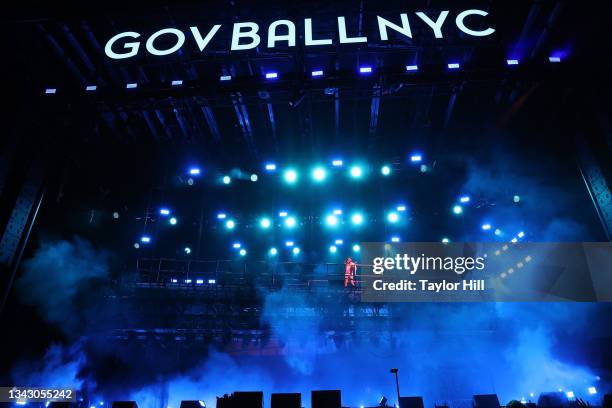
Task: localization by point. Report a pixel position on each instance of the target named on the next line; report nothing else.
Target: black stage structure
(124, 149)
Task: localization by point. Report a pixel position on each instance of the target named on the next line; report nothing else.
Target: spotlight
(365, 70)
(317, 73)
(385, 170)
(50, 91)
(401, 208)
(225, 78)
(457, 209)
(190, 181)
(516, 199)
(356, 172)
(187, 250)
(453, 65)
(221, 216)
(265, 223)
(177, 82)
(194, 171)
(230, 224)
(289, 243)
(356, 248)
(116, 215)
(212, 281)
(227, 179)
(416, 158)
(319, 174)
(333, 249)
(497, 232)
(412, 68)
(331, 220)
(570, 394)
(290, 222)
(464, 199)
(199, 281)
(357, 219)
(243, 252)
(393, 217)
(173, 280)
(445, 240)
(236, 245)
(173, 221)
(592, 390)
(296, 251)
(554, 59)
(512, 62)
(290, 176)
(486, 227)
(282, 214)
(91, 88)
(145, 239)
(271, 75)
(187, 280)
(270, 166)
(273, 251)
(395, 239)
(514, 240)
(136, 245)
(164, 211)
(337, 163)
(254, 177)
(337, 211)
(521, 234)
(131, 85)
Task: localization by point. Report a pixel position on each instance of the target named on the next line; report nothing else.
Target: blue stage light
(317, 73)
(497, 232)
(221, 216)
(230, 224)
(401, 208)
(164, 211)
(339, 242)
(273, 251)
(91, 88)
(486, 227)
(453, 65)
(227, 179)
(243, 252)
(333, 249)
(177, 82)
(457, 209)
(290, 176)
(194, 171)
(521, 234)
(187, 250)
(356, 172)
(416, 158)
(337, 211)
(271, 75)
(393, 217)
(254, 177)
(296, 251)
(337, 163)
(173, 221)
(514, 240)
(50, 91)
(412, 68)
(331, 220)
(145, 239)
(289, 243)
(356, 248)
(283, 214)
(570, 394)
(131, 85)
(516, 199)
(225, 78)
(270, 166)
(290, 222)
(212, 281)
(236, 245)
(187, 280)
(554, 59)
(395, 239)
(199, 281)
(385, 170)
(464, 199)
(265, 223)
(173, 280)
(512, 62)
(357, 219)
(445, 240)
(592, 390)
(365, 70)
(319, 174)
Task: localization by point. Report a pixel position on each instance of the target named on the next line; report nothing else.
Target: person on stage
(350, 269)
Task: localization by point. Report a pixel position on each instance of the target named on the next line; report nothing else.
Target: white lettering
(203, 42)
(289, 37)
(308, 41)
(462, 27)
(237, 34)
(342, 31)
(180, 40)
(384, 24)
(436, 26)
(132, 46)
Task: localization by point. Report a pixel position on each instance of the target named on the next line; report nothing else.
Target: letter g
(132, 46)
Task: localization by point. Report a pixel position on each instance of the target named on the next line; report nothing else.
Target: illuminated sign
(247, 35)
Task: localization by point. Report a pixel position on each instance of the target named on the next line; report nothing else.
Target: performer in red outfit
(350, 268)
